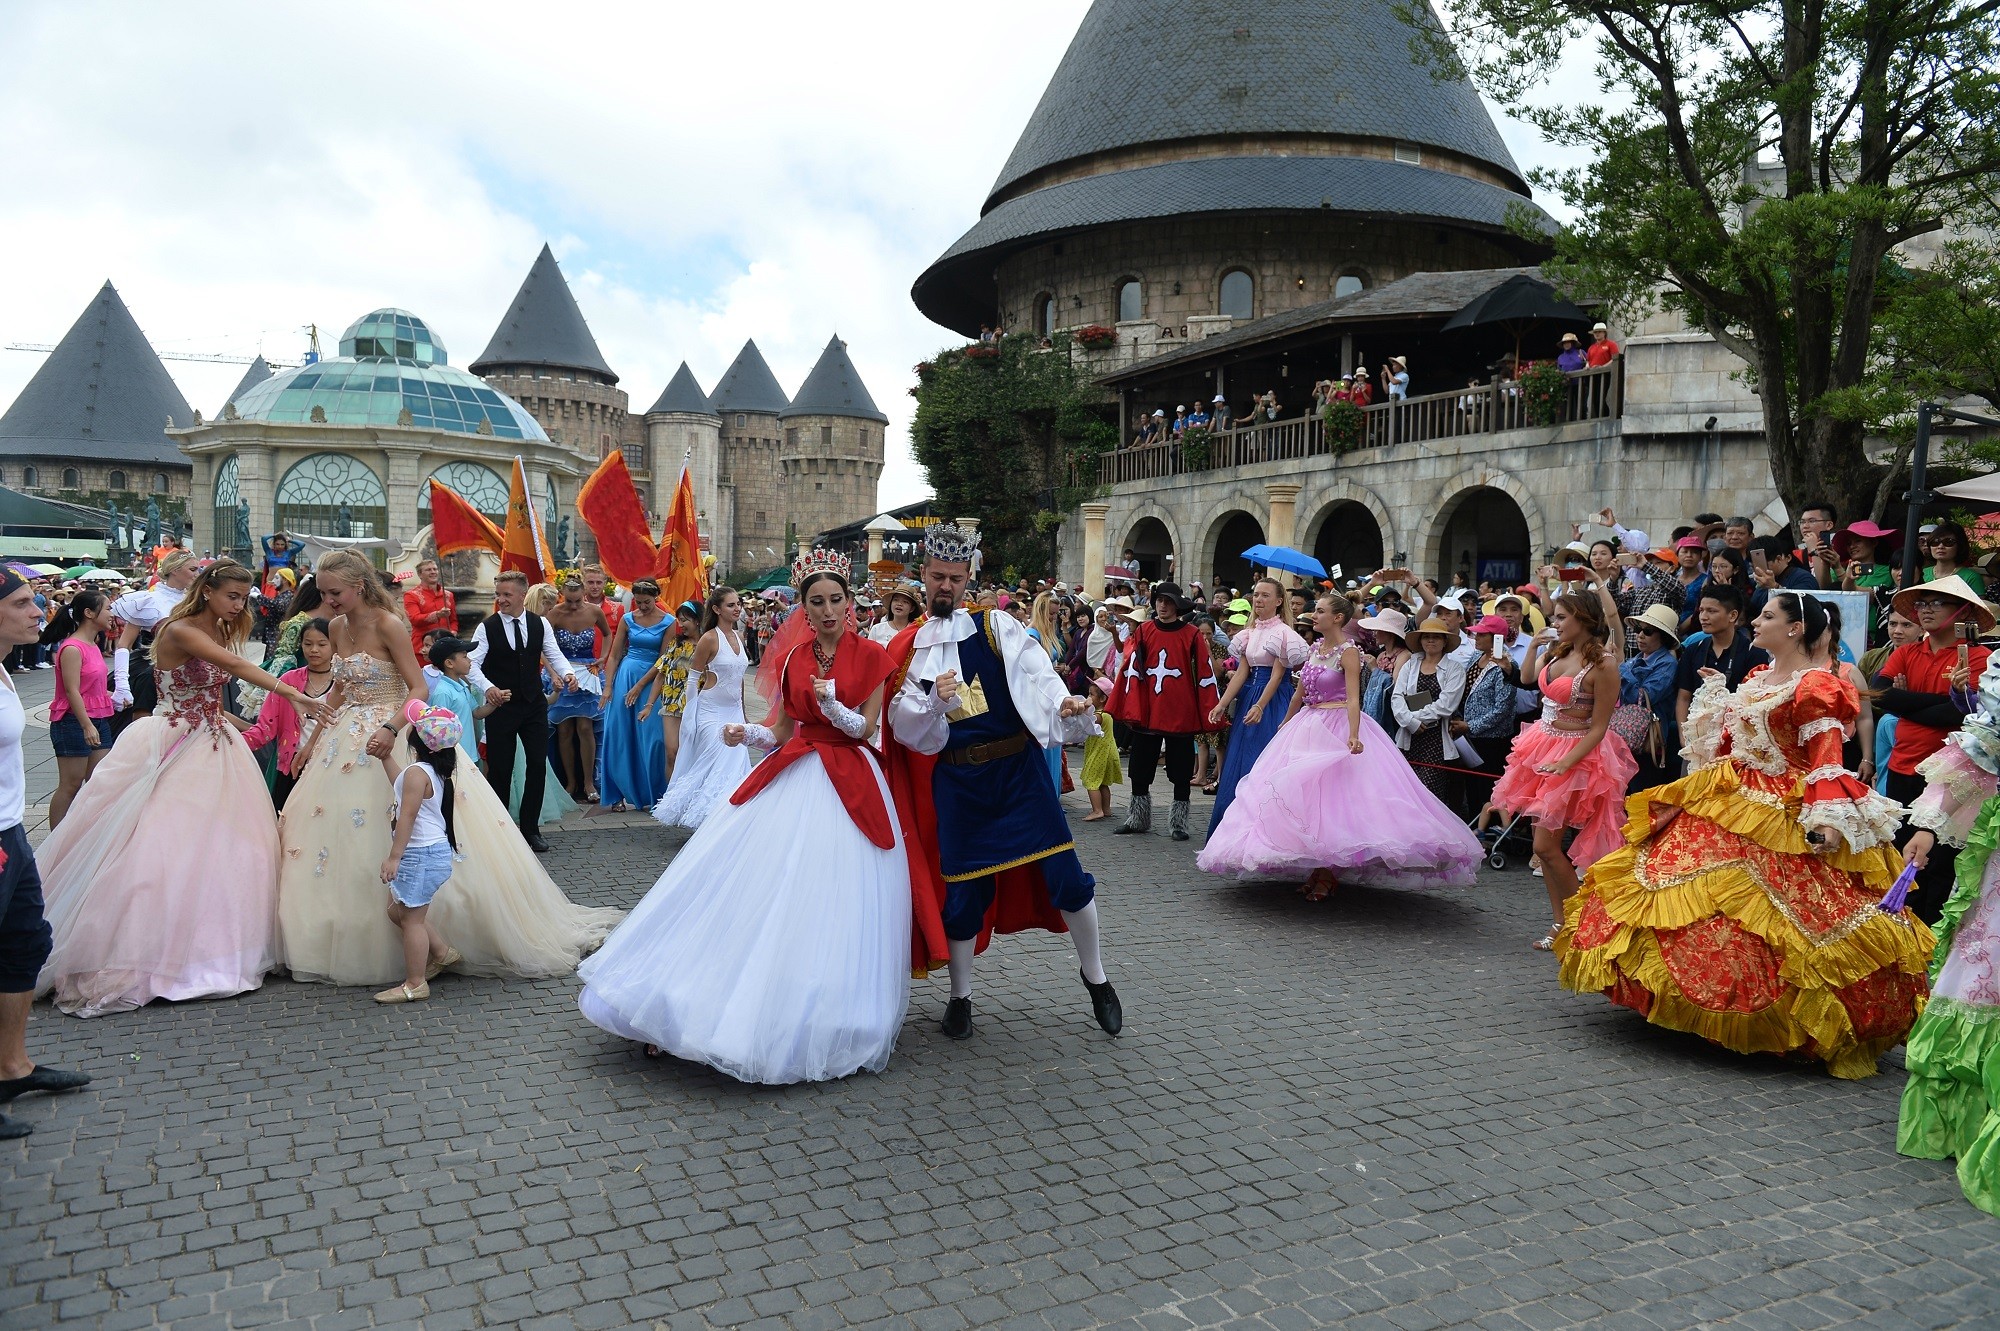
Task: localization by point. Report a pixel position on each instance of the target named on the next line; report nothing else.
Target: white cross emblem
(1160, 673)
(1132, 666)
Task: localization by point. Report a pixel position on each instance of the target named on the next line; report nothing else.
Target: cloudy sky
(706, 173)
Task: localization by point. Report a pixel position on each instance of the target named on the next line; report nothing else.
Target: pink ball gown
(1310, 804)
(1590, 796)
(162, 882)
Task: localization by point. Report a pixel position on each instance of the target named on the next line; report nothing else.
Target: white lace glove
(843, 718)
(757, 737)
(121, 673)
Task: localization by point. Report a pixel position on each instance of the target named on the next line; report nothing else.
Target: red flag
(524, 545)
(457, 525)
(609, 505)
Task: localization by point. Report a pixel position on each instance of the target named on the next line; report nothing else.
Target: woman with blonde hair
(501, 911)
(162, 882)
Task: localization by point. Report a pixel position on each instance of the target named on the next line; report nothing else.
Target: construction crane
(311, 330)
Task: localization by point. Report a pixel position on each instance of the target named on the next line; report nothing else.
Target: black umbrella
(1516, 304)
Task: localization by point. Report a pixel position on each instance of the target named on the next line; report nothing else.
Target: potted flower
(1195, 442)
(1545, 392)
(1095, 337)
(986, 352)
(1344, 424)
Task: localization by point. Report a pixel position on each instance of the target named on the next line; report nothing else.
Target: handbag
(1635, 723)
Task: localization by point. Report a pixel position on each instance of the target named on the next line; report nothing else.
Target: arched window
(1045, 315)
(116, 482)
(1131, 300)
(1349, 284)
(231, 533)
(1239, 294)
(31, 475)
(72, 479)
(331, 494)
(481, 487)
(159, 482)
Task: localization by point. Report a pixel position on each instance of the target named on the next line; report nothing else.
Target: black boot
(1104, 1005)
(957, 1021)
(1138, 814)
(1178, 819)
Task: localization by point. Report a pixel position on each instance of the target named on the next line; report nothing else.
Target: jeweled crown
(950, 544)
(814, 561)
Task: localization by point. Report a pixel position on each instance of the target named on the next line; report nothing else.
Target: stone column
(1093, 549)
(1283, 496)
(874, 547)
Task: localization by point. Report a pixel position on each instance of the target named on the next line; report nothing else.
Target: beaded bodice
(369, 684)
(1567, 701)
(191, 694)
(577, 645)
(1323, 680)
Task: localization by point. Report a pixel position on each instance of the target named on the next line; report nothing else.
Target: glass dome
(389, 364)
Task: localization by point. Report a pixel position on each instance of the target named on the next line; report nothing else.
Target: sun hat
(1661, 618)
(1866, 530)
(435, 726)
(1571, 337)
(1219, 398)
(1488, 624)
(1953, 586)
(1437, 626)
(1577, 548)
(1392, 622)
(1599, 327)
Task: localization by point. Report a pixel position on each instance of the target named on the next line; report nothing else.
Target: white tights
(1082, 931)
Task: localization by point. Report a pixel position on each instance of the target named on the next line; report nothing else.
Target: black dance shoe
(1104, 1005)
(12, 1129)
(536, 844)
(957, 1021)
(46, 1079)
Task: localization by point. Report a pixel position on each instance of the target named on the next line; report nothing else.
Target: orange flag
(457, 525)
(679, 569)
(524, 545)
(609, 505)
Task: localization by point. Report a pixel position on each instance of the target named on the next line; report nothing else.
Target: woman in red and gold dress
(1744, 906)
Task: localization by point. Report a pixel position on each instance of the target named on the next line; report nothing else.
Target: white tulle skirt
(775, 948)
(707, 772)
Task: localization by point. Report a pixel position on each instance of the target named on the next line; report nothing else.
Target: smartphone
(1760, 560)
(1963, 632)
(1572, 574)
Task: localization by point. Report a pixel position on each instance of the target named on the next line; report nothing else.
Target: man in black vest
(510, 648)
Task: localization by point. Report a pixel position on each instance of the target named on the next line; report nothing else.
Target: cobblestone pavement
(1380, 1112)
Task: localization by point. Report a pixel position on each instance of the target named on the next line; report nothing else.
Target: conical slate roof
(1225, 67)
(544, 327)
(682, 394)
(259, 371)
(834, 388)
(102, 395)
(748, 385)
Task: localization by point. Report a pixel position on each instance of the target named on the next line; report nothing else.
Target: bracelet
(386, 726)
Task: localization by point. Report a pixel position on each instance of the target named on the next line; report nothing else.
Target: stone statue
(562, 542)
(344, 524)
(114, 534)
(178, 528)
(152, 523)
(242, 541)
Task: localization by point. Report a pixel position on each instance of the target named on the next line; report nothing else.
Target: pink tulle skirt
(1589, 797)
(1310, 804)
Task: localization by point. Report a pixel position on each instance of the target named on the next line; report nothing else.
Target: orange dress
(1717, 917)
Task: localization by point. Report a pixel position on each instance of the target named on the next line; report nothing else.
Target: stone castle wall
(1292, 262)
(832, 466)
(750, 465)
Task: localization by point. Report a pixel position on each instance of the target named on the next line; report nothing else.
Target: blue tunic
(1000, 814)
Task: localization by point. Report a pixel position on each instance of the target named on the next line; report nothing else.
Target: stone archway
(1428, 548)
(1152, 547)
(1483, 534)
(1229, 534)
(1348, 536)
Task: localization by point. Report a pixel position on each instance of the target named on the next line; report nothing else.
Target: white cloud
(706, 174)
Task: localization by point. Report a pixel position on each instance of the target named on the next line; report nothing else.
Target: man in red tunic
(1162, 696)
(430, 606)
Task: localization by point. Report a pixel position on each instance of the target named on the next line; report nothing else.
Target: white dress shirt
(553, 661)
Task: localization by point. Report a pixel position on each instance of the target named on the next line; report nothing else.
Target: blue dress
(633, 759)
(1266, 645)
(580, 649)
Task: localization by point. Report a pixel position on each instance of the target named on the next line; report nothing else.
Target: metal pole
(1919, 459)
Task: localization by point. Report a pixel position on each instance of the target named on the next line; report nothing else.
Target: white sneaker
(45, 666)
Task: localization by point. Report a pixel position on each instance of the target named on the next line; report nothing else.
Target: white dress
(776, 946)
(707, 772)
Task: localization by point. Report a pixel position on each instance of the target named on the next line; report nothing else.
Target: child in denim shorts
(420, 856)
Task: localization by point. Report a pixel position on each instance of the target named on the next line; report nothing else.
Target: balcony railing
(1594, 394)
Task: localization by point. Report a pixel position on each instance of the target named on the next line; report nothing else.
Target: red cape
(1020, 897)
(1165, 682)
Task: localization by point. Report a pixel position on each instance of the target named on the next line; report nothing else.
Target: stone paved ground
(1380, 1112)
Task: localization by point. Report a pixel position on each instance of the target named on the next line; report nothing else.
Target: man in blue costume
(977, 703)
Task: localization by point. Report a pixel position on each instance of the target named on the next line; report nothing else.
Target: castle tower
(681, 424)
(748, 399)
(832, 454)
(91, 425)
(259, 371)
(1292, 151)
(543, 356)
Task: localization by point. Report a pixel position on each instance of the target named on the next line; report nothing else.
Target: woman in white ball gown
(776, 947)
(707, 772)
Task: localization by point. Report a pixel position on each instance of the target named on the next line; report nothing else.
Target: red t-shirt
(1600, 352)
(1924, 670)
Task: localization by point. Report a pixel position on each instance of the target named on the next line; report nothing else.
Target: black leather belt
(973, 754)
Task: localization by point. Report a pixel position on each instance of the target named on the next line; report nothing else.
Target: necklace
(824, 658)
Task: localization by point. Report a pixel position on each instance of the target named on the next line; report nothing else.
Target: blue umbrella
(1286, 560)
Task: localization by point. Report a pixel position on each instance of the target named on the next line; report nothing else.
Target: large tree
(1755, 164)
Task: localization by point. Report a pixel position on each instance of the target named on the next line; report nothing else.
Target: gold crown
(810, 562)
